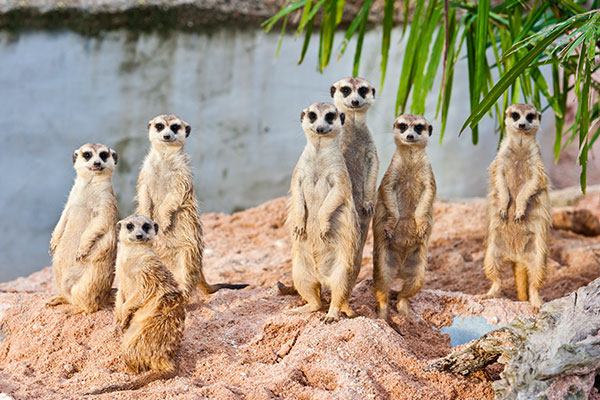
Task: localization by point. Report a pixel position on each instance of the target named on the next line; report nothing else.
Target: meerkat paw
(421, 230)
(519, 215)
(503, 214)
(73, 310)
(56, 301)
(305, 309)
(389, 233)
(368, 208)
(350, 313)
(81, 254)
(52, 248)
(299, 232)
(330, 318)
(324, 232)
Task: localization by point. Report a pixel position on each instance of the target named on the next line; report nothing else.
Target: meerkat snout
(95, 158)
(412, 129)
(137, 229)
(169, 130)
(522, 118)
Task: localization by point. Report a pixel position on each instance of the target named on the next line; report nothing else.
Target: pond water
(466, 328)
(61, 89)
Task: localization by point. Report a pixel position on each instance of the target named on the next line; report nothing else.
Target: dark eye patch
(159, 127)
(419, 128)
(402, 126)
(104, 155)
(87, 155)
(363, 91)
(330, 117)
(530, 117)
(515, 116)
(175, 128)
(146, 227)
(346, 91)
(312, 116)
(129, 227)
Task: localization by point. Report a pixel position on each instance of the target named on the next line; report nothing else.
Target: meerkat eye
(345, 91)
(159, 127)
(104, 155)
(129, 227)
(175, 127)
(530, 117)
(363, 91)
(312, 116)
(402, 126)
(330, 117)
(146, 227)
(419, 128)
(87, 155)
(515, 116)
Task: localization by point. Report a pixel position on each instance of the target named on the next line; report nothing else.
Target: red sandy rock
(240, 344)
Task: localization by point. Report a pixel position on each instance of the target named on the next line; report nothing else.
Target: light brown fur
(353, 96)
(404, 215)
(322, 216)
(149, 307)
(165, 193)
(518, 208)
(84, 241)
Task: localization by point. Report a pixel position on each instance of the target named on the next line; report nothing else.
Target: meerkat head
(412, 130)
(168, 130)
(94, 159)
(522, 119)
(321, 120)
(353, 94)
(137, 229)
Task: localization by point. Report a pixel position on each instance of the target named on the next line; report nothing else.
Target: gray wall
(60, 90)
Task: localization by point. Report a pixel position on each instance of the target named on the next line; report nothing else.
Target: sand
(241, 345)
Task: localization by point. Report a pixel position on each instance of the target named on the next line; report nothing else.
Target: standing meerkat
(322, 216)
(149, 308)
(404, 215)
(518, 208)
(84, 243)
(165, 193)
(353, 96)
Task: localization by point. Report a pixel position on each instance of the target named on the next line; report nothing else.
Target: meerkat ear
(332, 90)
(74, 156)
(114, 155)
(155, 228)
(302, 115)
(430, 130)
(188, 130)
(149, 123)
(118, 226)
(373, 92)
(342, 117)
(540, 116)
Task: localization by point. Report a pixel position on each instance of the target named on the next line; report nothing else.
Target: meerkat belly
(408, 194)
(357, 169)
(79, 219)
(315, 193)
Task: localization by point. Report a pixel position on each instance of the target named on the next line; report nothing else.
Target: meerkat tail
(285, 290)
(210, 289)
(137, 383)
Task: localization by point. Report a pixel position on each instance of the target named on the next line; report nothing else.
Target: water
(467, 328)
(61, 89)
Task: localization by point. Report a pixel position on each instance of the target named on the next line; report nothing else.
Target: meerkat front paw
(368, 208)
(81, 254)
(299, 232)
(519, 215)
(388, 230)
(52, 248)
(324, 231)
(421, 227)
(503, 214)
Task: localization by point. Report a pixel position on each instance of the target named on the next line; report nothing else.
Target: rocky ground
(241, 345)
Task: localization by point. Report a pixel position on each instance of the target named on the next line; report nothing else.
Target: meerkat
(322, 217)
(165, 193)
(354, 96)
(149, 307)
(404, 215)
(84, 243)
(518, 208)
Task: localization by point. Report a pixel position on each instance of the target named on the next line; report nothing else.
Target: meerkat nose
(410, 137)
(320, 129)
(355, 103)
(139, 236)
(521, 126)
(97, 163)
(167, 137)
